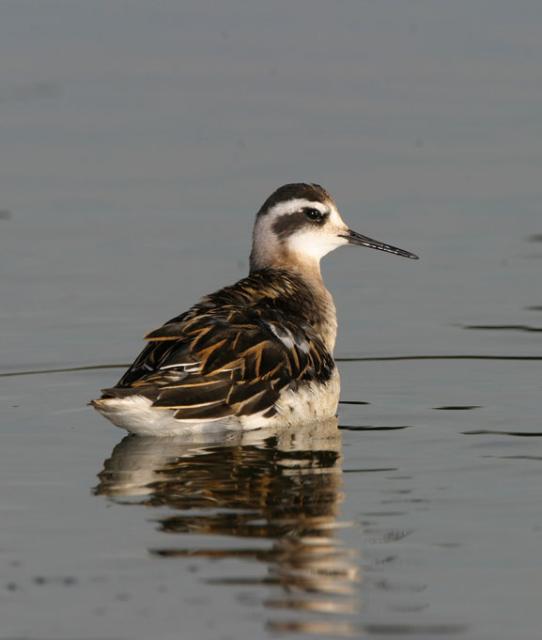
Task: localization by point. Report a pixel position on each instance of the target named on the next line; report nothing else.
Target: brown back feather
(232, 354)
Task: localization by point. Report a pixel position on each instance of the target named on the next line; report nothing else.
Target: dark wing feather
(214, 363)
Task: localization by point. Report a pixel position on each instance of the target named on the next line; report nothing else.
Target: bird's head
(299, 224)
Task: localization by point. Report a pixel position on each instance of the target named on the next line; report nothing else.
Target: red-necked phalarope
(255, 354)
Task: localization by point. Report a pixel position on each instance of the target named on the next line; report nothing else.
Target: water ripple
(348, 427)
(473, 356)
(503, 327)
(451, 407)
(519, 434)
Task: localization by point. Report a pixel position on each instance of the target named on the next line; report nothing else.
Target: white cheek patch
(311, 242)
(315, 243)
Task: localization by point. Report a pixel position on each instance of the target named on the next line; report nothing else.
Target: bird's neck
(282, 258)
(311, 299)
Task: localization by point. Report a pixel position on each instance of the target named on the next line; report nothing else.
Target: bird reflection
(281, 486)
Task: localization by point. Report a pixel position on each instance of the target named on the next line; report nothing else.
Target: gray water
(136, 142)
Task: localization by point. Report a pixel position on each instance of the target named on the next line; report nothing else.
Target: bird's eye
(314, 214)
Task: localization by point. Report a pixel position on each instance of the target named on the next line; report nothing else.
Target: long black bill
(363, 241)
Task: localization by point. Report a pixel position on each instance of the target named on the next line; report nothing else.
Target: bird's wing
(208, 366)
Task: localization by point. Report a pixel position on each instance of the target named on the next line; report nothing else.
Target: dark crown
(295, 190)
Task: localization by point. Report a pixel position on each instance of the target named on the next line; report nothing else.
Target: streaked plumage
(253, 354)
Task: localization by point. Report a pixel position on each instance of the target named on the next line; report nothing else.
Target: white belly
(313, 401)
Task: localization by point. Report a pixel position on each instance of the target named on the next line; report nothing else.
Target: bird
(258, 353)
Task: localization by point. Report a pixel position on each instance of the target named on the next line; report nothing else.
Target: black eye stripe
(314, 215)
(290, 223)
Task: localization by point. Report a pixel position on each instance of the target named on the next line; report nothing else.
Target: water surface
(137, 142)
